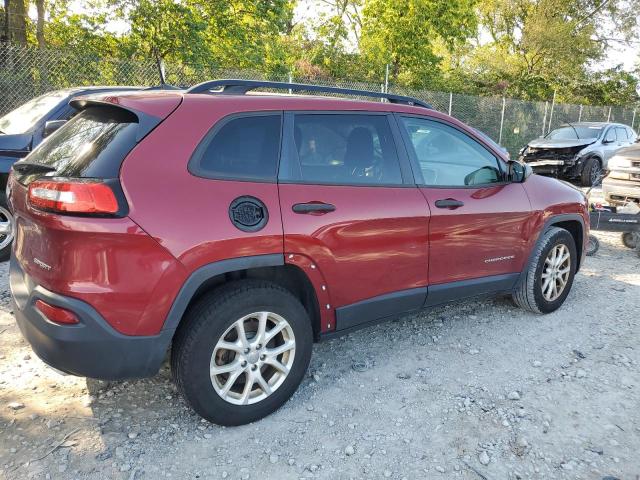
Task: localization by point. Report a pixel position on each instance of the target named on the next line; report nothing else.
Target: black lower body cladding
(91, 348)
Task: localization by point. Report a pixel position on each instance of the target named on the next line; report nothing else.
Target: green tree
(164, 29)
(613, 86)
(404, 34)
(206, 33)
(82, 33)
(326, 45)
(537, 47)
(247, 34)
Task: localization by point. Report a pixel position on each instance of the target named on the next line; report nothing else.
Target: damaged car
(577, 151)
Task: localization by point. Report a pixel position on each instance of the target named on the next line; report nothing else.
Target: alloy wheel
(596, 172)
(252, 358)
(556, 271)
(6, 227)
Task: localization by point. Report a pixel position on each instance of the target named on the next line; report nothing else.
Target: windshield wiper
(32, 167)
(574, 129)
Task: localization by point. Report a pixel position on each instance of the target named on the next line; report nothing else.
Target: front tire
(242, 351)
(544, 286)
(591, 172)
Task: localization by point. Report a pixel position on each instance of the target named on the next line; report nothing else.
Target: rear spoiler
(150, 109)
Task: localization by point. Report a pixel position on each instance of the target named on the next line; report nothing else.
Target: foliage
(403, 33)
(518, 48)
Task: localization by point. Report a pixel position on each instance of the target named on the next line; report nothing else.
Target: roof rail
(240, 87)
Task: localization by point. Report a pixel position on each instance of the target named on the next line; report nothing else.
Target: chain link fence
(27, 72)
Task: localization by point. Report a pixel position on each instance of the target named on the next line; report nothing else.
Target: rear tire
(6, 223)
(535, 289)
(591, 172)
(219, 342)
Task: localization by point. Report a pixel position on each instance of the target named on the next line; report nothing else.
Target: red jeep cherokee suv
(236, 228)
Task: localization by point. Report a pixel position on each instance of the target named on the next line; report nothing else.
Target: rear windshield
(93, 144)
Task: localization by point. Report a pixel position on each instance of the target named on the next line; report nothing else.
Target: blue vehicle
(22, 129)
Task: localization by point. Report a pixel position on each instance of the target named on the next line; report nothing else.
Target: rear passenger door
(623, 138)
(352, 214)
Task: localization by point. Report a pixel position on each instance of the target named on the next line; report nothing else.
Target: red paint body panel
(186, 214)
(550, 197)
(110, 263)
(466, 242)
(375, 242)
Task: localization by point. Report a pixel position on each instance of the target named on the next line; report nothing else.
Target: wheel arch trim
(207, 272)
(550, 222)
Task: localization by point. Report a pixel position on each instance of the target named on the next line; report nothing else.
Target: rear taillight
(56, 314)
(73, 196)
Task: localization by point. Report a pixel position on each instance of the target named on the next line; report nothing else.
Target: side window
(345, 149)
(611, 135)
(631, 134)
(449, 157)
(242, 148)
(621, 132)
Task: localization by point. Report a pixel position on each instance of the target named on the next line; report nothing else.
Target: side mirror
(518, 172)
(51, 126)
(483, 176)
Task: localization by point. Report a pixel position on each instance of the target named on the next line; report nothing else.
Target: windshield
(574, 133)
(23, 118)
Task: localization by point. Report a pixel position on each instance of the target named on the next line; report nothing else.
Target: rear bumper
(91, 348)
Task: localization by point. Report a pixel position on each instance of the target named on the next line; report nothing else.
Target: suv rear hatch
(73, 236)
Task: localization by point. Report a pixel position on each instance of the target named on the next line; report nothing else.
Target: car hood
(10, 143)
(549, 143)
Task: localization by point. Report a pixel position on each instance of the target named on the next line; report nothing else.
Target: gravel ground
(475, 390)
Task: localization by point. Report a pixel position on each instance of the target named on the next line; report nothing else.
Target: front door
(478, 229)
(352, 215)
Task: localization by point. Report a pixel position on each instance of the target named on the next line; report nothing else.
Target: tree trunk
(17, 12)
(5, 27)
(40, 24)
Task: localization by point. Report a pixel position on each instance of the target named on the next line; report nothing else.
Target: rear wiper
(32, 167)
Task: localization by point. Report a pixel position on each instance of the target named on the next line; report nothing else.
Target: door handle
(450, 203)
(313, 207)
